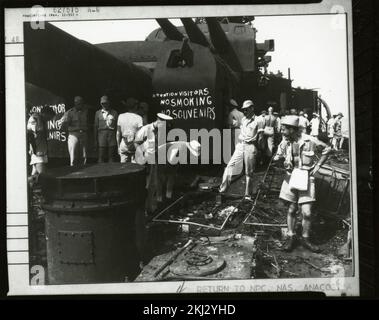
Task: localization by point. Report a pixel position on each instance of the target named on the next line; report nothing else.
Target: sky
(314, 47)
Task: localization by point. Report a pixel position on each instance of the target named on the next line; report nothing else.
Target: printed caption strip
(17, 216)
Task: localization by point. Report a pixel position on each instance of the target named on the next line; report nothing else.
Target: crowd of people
(256, 139)
(296, 141)
(125, 137)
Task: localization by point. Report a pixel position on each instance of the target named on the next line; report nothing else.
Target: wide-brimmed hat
(247, 104)
(233, 103)
(164, 117)
(340, 114)
(291, 120)
(315, 114)
(263, 111)
(194, 146)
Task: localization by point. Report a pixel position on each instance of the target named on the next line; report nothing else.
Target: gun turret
(194, 33)
(170, 30)
(222, 44)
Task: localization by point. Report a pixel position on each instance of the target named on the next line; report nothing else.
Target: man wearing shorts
(299, 151)
(246, 150)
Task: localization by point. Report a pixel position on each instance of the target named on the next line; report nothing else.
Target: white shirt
(129, 123)
(249, 129)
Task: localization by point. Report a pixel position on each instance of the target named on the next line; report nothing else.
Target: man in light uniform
(77, 121)
(148, 139)
(128, 124)
(246, 150)
(299, 152)
(315, 125)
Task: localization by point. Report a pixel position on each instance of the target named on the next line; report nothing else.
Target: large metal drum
(90, 222)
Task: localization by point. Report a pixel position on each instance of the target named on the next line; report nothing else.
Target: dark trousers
(107, 154)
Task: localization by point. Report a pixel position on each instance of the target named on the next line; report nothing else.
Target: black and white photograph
(188, 149)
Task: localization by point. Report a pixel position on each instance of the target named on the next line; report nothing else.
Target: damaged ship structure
(190, 73)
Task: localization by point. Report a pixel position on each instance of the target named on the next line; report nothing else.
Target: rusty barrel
(90, 222)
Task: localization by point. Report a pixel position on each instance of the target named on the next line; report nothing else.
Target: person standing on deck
(105, 131)
(298, 188)
(246, 150)
(77, 121)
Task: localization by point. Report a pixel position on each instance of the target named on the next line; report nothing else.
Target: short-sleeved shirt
(77, 119)
(302, 152)
(129, 123)
(249, 130)
(106, 119)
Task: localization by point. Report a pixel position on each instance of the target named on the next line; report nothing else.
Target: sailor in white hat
(148, 139)
(245, 152)
(298, 188)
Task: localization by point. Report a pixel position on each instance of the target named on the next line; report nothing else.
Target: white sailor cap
(164, 117)
(247, 104)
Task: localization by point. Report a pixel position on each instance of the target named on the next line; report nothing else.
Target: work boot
(290, 244)
(305, 242)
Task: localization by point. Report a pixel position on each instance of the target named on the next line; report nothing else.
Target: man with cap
(76, 120)
(298, 189)
(246, 150)
(105, 131)
(234, 121)
(303, 122)
(315, 125)
(128, 124)
(337, 126)
(147, 140)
